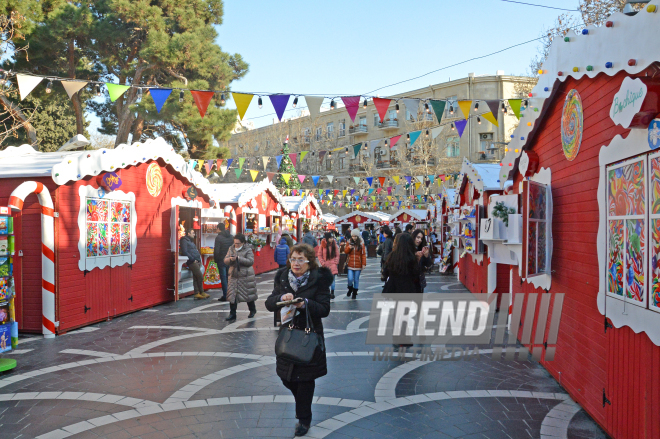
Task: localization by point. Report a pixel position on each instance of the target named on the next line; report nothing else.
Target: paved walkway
(179, 370)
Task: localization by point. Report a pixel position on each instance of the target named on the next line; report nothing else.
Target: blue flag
(315, 179)
(159, 95)
(279, 160)
(229, 162)
(414, 136)
(369, 180)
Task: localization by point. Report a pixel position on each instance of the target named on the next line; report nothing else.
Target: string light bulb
(451, 109)
(98, 90)
(49, 87)
(427, 133)
(503, 108)
(139, 92)
(426, 107)
(397, 107)
(295, 102)
(476, 106)
(332, 104)
(181, 96)
(222, 99)
(453, 127)
(364, 105)
(478, 120)
(260, 102)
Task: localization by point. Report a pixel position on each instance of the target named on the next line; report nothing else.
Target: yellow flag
(254, 174)
(201, 164)
(439, 182)
(242, 101)
(396, 179)
(466, 106)
(303, 154)
(490, 118)
(389, 198)
(417, 185)
(344, 193)
(286, 177)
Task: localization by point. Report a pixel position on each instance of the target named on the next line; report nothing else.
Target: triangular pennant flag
(414, 136)
(303, 154)
(431, 178)
(343, 193)
(396, 179)
(270, 175)
(200, 163)
(278, 158)
(412, 105)
(515, 106)
(352, 104)
(361, 192)
(301, 178)
(202, 100)
(315, 179)
(208, 168)
(294, 158)
(218, 163)
(438, 108)
(373, 198)
(229, 161)
(465, 106)
(494, 107)
(369, 180)
(460, 126)
(223, 170)
(238, 172)
(242, 102)
(286, 177)
(389, 198)
(369, 193)
(356, 149)
(330, 177)
(395, 139)
(435, 132)
(408, 179)
(254, 174)
(264, 161)
(381, 180)
(321, 155)
(490, 118)
(420, 178)
(241, 160)
(378, 190)
(72, 87)
(428, 183)
(389, 190)
(279, 103)
(417, 185)
(314, 105)
(382, 106)
(159, 95)
(336, 191)
(357, 180)
(116, 90)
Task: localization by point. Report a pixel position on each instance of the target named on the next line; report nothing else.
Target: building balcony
(356, 168)
(389, 125)
(358, 130)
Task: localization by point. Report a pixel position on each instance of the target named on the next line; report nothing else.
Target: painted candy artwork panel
(655, 262)
(541, 261)
(531, 249)
(537, 201)
(115, 239)
(635, 259)
(125, 238)
(654, 189)
(92, 231)
(121, 212)
(102, 241)
(97, 210)
(615, 258)
(626, 193)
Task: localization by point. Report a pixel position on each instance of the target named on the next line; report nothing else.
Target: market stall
(107, 230)
(357, 219)
(307, 214)
(418, 217)
(8, 323)
(328, 221)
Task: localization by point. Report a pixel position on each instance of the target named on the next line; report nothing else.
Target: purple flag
(460, 126)
(279, 103)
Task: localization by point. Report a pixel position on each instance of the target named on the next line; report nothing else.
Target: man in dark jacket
(387, 245)
(281, 254)
(189, 249)
(309, 238)
(223, 241)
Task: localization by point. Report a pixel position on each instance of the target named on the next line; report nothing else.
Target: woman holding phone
(423, 254)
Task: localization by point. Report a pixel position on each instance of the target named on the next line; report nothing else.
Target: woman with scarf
(305, 279)
(329, 258)
(356, 261)
(242, 283)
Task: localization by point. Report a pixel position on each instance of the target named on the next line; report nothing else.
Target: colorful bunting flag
(420, 178)
(414, 135)
(314, 105)
(465, 106)
(286, 178)
(116, 90)
(242, 102)
(264, 161)
(396, 179)
(515, 106)
(303, 154)
(408, 179)
(270, 175)
(321, 155)
(301, 178)
(202, 100)
(278, 158)
(369, 180)
(330, 177)
(493, 106)
(412, 105)
(229, 162)
(460, 127)
(279, 103)
(352, 104)
(223, 170)
(357, 180)
(218, 163)
(72, 87)
(438, 108)
(382, 106)
(159, 95)
(435, 132)
(381, 180)
(315, 179)
(254, 174)
(356, 149)
(294, 158)
(238, 173)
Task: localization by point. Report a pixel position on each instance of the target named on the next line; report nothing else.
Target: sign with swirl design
(154, 179)
(572, 124)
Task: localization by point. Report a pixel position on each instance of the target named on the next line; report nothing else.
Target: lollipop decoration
(154, 180)
(572, 124)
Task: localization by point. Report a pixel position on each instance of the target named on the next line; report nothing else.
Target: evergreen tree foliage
(287, 167)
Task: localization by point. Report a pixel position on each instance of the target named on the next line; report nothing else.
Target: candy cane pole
(47, 249)
(294, 217)
(231, 213)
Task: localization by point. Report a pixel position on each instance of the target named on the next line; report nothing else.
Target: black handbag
(298, 345)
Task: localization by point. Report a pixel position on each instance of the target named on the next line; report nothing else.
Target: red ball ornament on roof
(531, 94)
(560, 73)
(609, 24)
(632, 62)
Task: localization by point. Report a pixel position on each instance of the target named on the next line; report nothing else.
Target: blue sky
(349, 47)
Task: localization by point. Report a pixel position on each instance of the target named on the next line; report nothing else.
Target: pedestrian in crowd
(387, 245)
(356, 261)
(289, 240)
(423, 255)
(402, 268)
(308, 238)
(223, 241)
(409, 228)
(281, 254)
(194, 263)
(329, 258)
(303, 278)
(397, 231)
(242, 283)
(365, 236)
(347, 235)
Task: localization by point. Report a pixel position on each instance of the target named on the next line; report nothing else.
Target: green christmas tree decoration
(286, 167)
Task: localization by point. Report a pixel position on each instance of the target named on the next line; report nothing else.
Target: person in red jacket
(329, 257)
(356, 261)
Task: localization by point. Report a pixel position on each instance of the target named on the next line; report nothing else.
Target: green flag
(241, 160)
(515, 106)
(438, 108)
(356, 148)
(357, 180)
(116, 90)
(238, 172)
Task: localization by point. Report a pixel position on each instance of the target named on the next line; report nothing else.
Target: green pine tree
(287, 167)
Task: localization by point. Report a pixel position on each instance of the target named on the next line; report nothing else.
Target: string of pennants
(202, 98)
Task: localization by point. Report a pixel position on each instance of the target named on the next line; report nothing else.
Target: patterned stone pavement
(180, 371)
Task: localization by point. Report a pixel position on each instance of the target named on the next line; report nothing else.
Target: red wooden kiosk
(356, 219)
(584, 163)
(306, 213)
(405, 216)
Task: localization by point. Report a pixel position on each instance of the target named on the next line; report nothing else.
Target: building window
(341, 162)
(376, 119)
(256, 147)
(319, 133)
(363, 121)
(452, 102)
(330, 128)
(328, 164)
(537, 233)
(392, 114)
(453, 147)
(342, 127)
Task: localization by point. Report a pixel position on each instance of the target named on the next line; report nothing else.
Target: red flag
(294, 158)
(382, 105)
(202, 99)
(336, 192)
(219, 163)
(394, 139)
(208, 168)
(270, 175)
(352, 104)
(382, 180)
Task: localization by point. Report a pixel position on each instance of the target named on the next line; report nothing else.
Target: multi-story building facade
(334, 132)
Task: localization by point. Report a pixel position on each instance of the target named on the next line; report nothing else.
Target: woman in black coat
(423, 254)
(402, 269)
(303, 278)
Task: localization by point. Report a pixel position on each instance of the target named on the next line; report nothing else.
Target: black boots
(301, 429)
(232, 312)
(350, 291)
(332, 294)
(253, 309)
(355, 290)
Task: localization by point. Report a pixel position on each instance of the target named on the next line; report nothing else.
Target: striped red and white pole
(294, 217)
(231, 214)
(16, 201)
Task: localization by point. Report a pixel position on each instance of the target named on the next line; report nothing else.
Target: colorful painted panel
(125, 238)
(655, 185)
(115, 239)
(537, 201)
(92, 232)
(655, 262)
(531, 248)
(542, 244)
(626, 194)
(97, 210)
(154, 179)
(615, 258)
(635, 259)
(572, 123)
(121, 212)
(103, 248)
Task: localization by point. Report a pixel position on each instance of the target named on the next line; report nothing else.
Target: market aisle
(179, 370)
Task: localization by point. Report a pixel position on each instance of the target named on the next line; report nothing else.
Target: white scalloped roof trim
(241, 193)
(78, 166)
(631, 37)
(419, 214)
(15, 151)
(298, 203)
(354, 213)
(481, 176)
